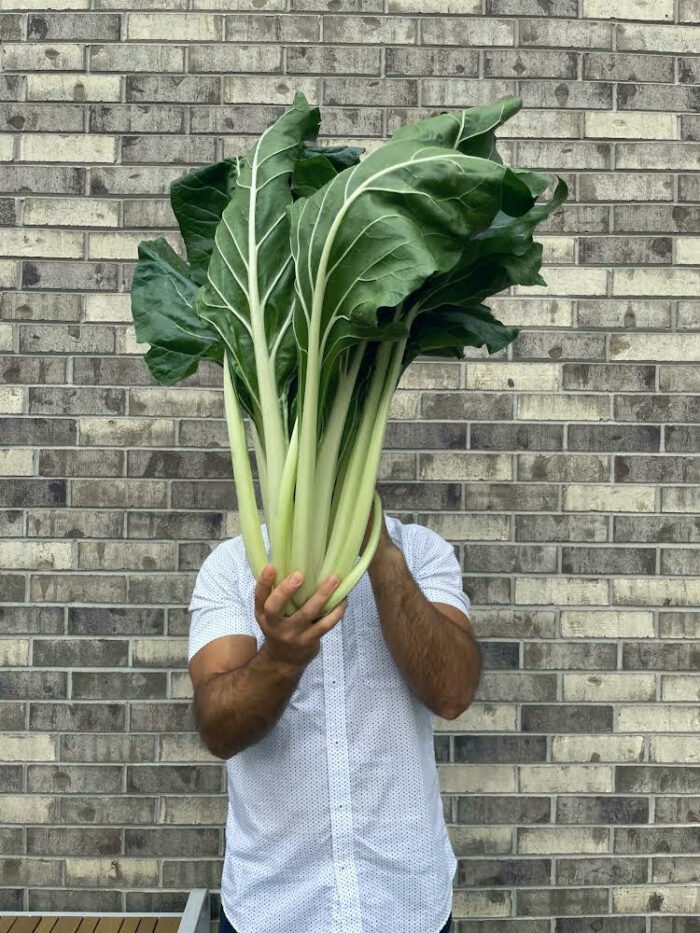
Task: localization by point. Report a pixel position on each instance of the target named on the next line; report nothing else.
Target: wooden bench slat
(167, 925)
(66, 925)
(46, 924)
(87, 925)
(129, 925)
(147, 925)
(6, 923)
(26, 924)
(109, 924)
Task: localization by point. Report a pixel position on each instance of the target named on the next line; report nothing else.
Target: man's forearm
(238, 708)
(440, 660)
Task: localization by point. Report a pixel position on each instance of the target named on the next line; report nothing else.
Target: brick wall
(562, 468)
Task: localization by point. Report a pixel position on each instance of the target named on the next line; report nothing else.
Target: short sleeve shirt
(335, 821)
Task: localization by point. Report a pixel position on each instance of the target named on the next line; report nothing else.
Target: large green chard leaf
(162, 305)
(471, 131)
(198, 200)
(249, 291)
(378, 230)
(320, 164)
(502, 255)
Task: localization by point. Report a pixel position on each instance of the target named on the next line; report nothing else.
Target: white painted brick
(645, 591)
(607, 623)
(626, 748)
(26, 808)
(14, 652)
(594, 687)
(12, 400)
(656, 718)
(191, 27)
(680, 688)
(565, 280)
(465, 779)
(27, 746)
(667, 899)
(73, 87)
(629, 9)
(562, 407)
(565, 779)
(608, 498)
(676, 749)
(656, 347)
(6, 147)
(628, 124)
(71, 212)
(562, 590)
(18, 462)
(36, 555)
(541, 840)
(467, 466)
(5, 337)
(67, 147)
(688, 250)
(49, 244)
(515, 375)
(103, 308)
(656, 282)
(239, 89)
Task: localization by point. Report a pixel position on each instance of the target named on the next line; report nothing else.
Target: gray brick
(74, 523)
(180, 149)
(12, 782)
(601, 871)
(199, 842)
(613, 437)
(135, 118)
(77, 717)
(499, 749)
(655, 779)
(621, 66)
(80, 653)
(47, 840)
(107, 748)
(90, 620)
(78, 26)
(175, 89)
(70, 779)
(653, 839)
(173, 779)
(563, 718)
(162, 717)
(603, 810)
(561, 901)
(46, 432)
(118, 685)
(102, 809)
(47, 899)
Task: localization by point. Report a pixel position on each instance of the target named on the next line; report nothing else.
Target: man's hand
(294, 639)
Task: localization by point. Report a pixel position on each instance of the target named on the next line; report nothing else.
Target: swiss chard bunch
(314, 277)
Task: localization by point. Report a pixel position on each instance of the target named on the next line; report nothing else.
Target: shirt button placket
(339, 783)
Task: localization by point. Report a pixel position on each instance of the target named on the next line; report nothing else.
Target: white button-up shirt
(335, 821)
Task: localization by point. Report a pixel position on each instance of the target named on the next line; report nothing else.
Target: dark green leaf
(198, 200)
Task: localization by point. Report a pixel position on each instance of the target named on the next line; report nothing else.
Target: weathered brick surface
(563, 468)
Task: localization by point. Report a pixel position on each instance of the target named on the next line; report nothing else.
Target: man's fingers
(326, 623)
(282, 593)
(263, 588)
(314, 604)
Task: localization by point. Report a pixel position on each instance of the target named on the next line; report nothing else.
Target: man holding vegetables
(335, 821)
